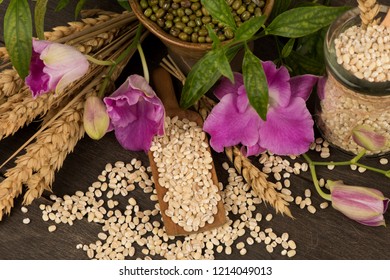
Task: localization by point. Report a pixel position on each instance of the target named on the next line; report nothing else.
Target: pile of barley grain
(184, 165)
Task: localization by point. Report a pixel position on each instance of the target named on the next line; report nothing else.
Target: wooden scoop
(386, 21)
(164, 88)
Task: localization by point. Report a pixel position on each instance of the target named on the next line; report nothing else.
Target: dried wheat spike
(36, 168)
(21, 109)
(51, 148)
(369, 9)
(265, 189)
(77, 26)
(12, 186)
(3, 53)
(10, 82)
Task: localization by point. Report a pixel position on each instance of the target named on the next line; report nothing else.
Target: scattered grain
(52, 228)
(324, 205)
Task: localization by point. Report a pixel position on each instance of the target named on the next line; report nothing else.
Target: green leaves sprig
(18, 35)
(294, 23)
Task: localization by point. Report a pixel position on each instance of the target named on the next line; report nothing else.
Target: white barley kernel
(52, 228)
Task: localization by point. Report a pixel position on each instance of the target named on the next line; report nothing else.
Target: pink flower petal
(278, 84)
(138, 134)
(228, 126)
(136, 114)
(288, 130)
(227, 87)
(54, 66)
(301, 86)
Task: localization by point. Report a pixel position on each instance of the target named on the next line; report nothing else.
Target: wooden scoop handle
(164, 88)
(386, 21)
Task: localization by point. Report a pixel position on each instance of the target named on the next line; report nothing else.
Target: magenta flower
(136, 114)
(364, 205)
(288, 129)
(54, 66)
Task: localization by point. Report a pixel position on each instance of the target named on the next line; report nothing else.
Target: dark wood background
(325, 235)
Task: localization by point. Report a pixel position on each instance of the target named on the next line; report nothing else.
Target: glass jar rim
(343, 22)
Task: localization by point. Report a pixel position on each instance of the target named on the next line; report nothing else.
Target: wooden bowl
(185, 54)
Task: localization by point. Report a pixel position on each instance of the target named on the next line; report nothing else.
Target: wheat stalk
(3, 54)
(21, 109)
(10, 82)
(54, 141)
(264, 189)
(369, 9)
(51, 148)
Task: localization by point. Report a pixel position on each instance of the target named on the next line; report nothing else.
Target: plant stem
(98, 61)
(315, 179)
(144, 63)
(353, 161)
(121, 57)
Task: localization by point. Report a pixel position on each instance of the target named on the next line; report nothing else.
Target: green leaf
(79, 7)
(220, 11)
(302, 21)
(249, 28)
(203, 75)
(18, 35)
(301, 64)
(1, 1)
(224, 66)
(255, 83)
(61, 4)
(213, 36)
(39, 16)
(279, 7)
(288, 47)
(125, 4)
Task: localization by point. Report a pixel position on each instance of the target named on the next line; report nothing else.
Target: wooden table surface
(327, 234)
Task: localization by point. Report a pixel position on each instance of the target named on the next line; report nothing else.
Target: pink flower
(54, 66)
(364, 205)
(136, 114)
(288, 129)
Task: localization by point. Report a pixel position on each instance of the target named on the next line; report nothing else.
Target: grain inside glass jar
(184, 166)
(357, 87)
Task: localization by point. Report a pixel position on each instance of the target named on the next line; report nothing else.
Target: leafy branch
(295, 23)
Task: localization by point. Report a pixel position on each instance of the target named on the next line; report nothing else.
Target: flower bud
(364, 205)
(366, 137)
(96, 119)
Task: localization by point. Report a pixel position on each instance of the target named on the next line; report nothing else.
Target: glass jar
(346, 101)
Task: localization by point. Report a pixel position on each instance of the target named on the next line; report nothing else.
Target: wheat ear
(264, 189)
(10, 82)
(51, 148)
(369, 9)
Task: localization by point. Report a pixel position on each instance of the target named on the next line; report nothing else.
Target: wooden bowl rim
(168, 38)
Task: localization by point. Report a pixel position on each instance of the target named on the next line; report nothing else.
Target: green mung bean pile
(187, 19)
